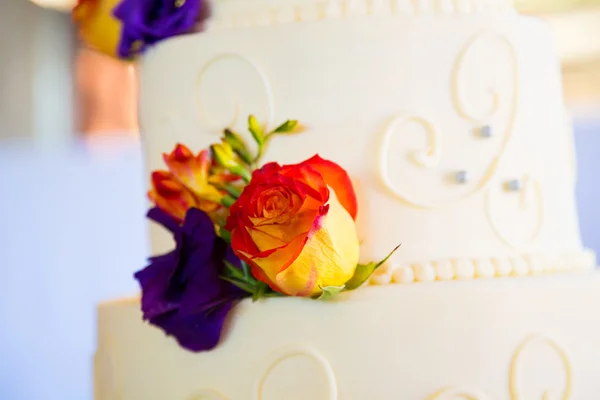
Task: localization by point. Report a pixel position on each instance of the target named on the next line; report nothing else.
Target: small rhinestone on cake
(462, 177)
(486, 131)
(514, 185)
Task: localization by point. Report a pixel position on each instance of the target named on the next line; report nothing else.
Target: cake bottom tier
(510, 338)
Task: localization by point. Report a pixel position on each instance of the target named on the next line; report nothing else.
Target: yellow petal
(329, 258)
(276, 235)
(99, 29)
(274, 262)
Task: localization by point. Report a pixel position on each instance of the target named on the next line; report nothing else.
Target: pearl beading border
(241, 14)
(466, 269)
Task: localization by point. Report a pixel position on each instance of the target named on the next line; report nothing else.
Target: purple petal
(159, 216)
(198, 332)
(154, 282)
(199, 227)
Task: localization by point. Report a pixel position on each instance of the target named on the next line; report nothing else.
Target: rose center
(274, 206)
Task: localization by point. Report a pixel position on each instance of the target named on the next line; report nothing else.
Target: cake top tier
(244, 12)
(125, 28)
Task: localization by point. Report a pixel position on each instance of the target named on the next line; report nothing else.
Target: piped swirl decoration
(272, 364)
(207, 394)
(514, 384)
(243, 88)
(447, 393)
(296, 351)
(515, 388)
(529, 205)
(423, 158)
(429, 158)
(467, 112)
(454, 393)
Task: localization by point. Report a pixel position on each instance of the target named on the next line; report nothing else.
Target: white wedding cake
(448, 117)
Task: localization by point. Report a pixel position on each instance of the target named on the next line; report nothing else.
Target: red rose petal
(337, 178)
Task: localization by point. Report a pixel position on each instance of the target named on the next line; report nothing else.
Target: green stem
(225, 235)
(261, 150)
(227, 201)
(245, 269)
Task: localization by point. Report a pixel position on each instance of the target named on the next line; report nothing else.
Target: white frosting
(501, 339)
(398, 101)
(244, 13)
(397, 92)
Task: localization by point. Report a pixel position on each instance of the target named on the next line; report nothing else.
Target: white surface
(72, 232)
(499, 339)
(397, 101)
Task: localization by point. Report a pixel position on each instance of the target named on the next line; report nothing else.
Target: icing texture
(430, 143)
(505, 339)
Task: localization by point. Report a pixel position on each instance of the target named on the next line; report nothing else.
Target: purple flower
(182, 292)
(146, 22)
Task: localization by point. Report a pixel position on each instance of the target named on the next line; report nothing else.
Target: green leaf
(256, 130)
(233, 271)
(238, 145)
(246, 287)
(364, 271)
(329, 292)
(260, 290)
(246, 270)
(287, 127)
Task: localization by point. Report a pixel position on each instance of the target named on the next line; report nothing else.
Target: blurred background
(72, 185)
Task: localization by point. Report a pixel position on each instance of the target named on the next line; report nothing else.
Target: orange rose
(294, 226)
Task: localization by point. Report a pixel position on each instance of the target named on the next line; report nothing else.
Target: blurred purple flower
(182, 292)
(146, 22)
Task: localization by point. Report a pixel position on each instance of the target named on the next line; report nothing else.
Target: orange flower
(193, 172)
(170, 195)
(297, 235)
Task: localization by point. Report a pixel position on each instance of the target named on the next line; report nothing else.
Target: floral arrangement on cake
(245, 230)
(125, 28)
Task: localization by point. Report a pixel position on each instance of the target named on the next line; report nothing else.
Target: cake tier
(243, 13)
(494, 339)
(452, 127)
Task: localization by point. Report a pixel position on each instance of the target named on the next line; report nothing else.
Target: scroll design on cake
(530, 200)
(243, 89)
(428, 157)
(514, 382)
(466, 111)
(432, 162)
(296, 351)
(454, 393)
(514, 386)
